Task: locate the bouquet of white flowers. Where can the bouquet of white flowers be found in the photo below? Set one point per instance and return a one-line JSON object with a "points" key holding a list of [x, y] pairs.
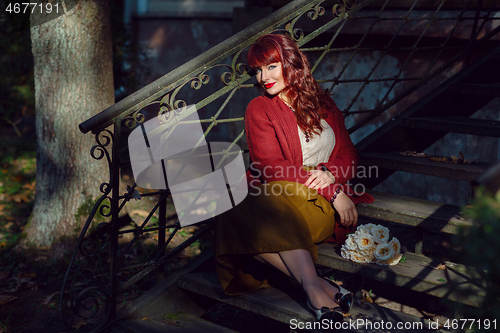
{"points": [[370, 243]]}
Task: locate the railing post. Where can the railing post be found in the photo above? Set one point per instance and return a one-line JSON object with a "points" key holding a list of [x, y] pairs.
{"points": [[161, 234], [473, 32], [115, 203]]}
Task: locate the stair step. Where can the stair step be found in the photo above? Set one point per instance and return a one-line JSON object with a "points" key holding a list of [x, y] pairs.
{"points": [[418, 273], [415, 212], [422, 165], [476, 89], [461, 125], [178, 322], [277, 305]]}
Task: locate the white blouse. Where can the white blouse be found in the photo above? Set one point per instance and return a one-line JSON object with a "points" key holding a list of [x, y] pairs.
{"points": [[319, 147]]}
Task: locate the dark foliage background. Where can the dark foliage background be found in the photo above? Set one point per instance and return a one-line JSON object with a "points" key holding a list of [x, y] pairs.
{"points": [[16, 66]]}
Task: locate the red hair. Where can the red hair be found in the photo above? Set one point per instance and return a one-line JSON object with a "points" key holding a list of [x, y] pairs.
{"points": [[307, 97]]}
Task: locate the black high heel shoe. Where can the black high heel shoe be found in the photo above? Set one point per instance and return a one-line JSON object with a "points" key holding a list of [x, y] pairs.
{"points": [[343, 298], [332, 314]]}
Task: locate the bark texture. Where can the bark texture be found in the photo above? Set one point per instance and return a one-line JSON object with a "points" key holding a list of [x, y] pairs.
{"points": [[73, 81]]}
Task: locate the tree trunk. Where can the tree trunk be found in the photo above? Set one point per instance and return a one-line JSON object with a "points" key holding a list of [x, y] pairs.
{"points": [[73, 81]]}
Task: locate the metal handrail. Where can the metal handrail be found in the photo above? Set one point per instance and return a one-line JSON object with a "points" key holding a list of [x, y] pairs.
{"points": [[197, 65]]}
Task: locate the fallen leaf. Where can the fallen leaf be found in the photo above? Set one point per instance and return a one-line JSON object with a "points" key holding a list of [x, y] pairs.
{"points": [[34, 286], [413, 154], [31, 186], [4, 299], [438, 159], [49, 298], [135, 194], [26, 275], [21, 197], [471, 162], [78, 325], [440, 266], [461, 155], [23, 281]]}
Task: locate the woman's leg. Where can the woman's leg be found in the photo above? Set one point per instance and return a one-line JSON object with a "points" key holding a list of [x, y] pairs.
{"points": [[298, 264], [275, 260]]}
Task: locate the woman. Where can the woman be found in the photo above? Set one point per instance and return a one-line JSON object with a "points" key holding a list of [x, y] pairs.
{"points": [[301, 156]]}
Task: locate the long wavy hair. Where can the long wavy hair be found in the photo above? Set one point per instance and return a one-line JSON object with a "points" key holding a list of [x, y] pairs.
{"points": [[306, 96]]}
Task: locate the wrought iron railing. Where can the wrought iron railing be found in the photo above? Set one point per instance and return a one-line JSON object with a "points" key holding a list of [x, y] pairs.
{"points": [[334, 34]]}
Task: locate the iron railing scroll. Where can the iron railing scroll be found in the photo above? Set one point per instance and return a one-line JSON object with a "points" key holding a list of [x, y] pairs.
{"points": [[100, 272]]}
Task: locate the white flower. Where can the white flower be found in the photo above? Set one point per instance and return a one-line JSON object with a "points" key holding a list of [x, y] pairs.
{"points": [[365, 242], [369, 254], [369, 226], [362, 229], [370, 244], [395, 259], [391, 261], [395, 245], [350, 243], [381, 262], [356, 257], [384, 251], [380, 233], [345, 253]]}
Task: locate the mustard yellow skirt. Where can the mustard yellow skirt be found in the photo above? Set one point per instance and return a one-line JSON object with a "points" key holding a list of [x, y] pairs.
{"points": [[277, 216]]}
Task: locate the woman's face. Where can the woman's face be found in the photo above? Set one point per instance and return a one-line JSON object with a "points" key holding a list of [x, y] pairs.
{"points": [[270, 77]]}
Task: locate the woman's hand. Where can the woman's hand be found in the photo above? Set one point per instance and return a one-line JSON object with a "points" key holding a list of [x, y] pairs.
{"points": [[346, 209], [319, 179]]}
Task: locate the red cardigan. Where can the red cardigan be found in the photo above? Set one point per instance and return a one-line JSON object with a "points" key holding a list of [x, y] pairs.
{"points": [[276, 153]]}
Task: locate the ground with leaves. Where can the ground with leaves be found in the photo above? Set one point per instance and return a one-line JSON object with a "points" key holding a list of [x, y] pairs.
{"points": [[29, 291], [29, 282]]}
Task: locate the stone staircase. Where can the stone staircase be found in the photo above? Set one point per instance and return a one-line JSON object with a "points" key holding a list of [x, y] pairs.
{"points": [[431, 271], [445, 110], [431, 276], [175, 303]]}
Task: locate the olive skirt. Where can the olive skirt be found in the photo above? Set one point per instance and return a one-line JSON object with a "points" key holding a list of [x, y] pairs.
{"points": [[277, 216]]}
